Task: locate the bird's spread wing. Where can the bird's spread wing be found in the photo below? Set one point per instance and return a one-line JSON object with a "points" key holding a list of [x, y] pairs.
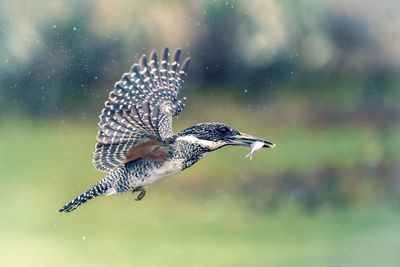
{"points": [[137, 117]]}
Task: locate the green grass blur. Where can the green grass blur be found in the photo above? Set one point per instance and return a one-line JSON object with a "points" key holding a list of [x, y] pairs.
{"points": [[221, 212]]}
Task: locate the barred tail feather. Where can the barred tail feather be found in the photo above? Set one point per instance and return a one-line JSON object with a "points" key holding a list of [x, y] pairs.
{"points": [[93, 192]]}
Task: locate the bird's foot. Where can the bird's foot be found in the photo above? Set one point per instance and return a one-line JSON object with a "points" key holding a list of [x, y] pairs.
{"points": [[141, 194]]}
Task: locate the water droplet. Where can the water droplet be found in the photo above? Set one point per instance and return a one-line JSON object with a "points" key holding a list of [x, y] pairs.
{"points": [[83, 237], [74, 28], [245, 91], [54, 26]]}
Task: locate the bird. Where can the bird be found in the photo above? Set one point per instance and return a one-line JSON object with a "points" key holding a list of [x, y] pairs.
{"points": [[136, 145]]}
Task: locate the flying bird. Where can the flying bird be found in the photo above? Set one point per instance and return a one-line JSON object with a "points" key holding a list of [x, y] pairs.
{"points": [[136, 145]]}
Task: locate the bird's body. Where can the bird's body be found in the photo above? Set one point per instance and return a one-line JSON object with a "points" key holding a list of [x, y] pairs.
{"points": [[136, 145], [141, 172]]}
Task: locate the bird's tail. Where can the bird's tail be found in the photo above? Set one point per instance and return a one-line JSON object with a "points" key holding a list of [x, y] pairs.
{"points": [[97, 190]]}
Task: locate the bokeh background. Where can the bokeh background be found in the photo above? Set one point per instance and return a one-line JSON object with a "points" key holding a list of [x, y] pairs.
{"points": [[319, 78]]}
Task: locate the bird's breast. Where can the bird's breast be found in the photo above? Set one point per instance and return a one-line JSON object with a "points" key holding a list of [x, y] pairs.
{"points": [[167, 168]]}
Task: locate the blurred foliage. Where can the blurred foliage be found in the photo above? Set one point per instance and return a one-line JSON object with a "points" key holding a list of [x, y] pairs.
{"points": [[61, 55], [221, 212]]}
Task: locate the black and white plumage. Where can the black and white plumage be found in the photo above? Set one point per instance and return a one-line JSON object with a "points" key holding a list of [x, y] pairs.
{"points": [[136, 145]]}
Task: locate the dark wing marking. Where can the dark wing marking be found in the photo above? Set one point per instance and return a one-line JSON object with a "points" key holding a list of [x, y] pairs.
{"points": [[137, 117]]}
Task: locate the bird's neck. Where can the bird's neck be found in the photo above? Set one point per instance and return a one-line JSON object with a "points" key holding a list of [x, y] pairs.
{"points": [[189, 151]]}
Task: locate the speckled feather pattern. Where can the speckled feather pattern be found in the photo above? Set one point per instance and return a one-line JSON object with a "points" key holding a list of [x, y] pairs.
{"points": [[140, 106], [137, 121], [143, 172], [140, 173]]}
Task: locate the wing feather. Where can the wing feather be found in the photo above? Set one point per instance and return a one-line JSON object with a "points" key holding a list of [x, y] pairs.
{"points": [[137, 117], [155, 69]]}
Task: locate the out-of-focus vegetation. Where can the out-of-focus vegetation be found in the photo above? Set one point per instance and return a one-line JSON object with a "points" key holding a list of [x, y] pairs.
{"points": [[63, 56], [319, 78], [301, 204]]}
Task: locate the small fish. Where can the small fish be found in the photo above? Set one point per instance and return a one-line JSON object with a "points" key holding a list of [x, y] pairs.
{"points": [[254, 147]]}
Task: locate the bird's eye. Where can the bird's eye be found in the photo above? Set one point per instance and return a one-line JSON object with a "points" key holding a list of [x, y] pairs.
{"points": [[223, 130]]}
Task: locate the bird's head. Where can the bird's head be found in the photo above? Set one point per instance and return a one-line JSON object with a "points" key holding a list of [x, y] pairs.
{"points": [[214, 135]]}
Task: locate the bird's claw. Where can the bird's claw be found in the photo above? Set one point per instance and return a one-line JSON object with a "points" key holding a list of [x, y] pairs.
{"points": [[141, 194]]}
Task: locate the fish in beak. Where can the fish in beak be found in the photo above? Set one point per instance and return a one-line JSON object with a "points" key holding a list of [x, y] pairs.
{"points": [[255, 143], [243, 139]]}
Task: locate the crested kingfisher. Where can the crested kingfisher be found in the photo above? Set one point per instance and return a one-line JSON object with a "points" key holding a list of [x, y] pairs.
{"points": [[136, 145]]}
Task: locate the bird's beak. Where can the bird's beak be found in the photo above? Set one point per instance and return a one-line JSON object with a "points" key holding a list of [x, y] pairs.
{"points": [[243, 139]]}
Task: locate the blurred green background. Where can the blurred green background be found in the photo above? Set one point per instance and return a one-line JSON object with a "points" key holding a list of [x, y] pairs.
{"points": [[319, 78]]}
